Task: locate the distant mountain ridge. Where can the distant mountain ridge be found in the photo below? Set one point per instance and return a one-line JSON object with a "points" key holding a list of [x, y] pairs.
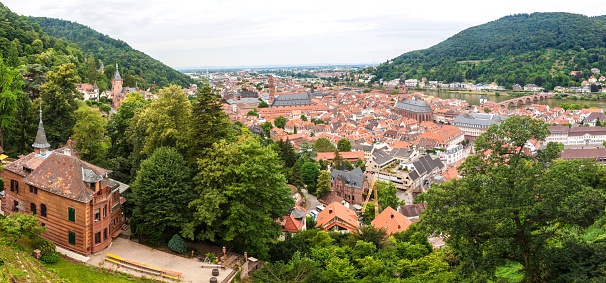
{"points": [[143, 68], [539, 48]]}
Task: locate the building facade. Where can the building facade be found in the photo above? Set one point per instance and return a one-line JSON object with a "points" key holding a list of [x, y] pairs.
{"points": [[77, 202], [414, 109], [474, 124]]}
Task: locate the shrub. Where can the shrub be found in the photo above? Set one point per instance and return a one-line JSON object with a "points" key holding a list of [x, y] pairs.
{"points": [[44, 246], [50, 258], [176, 244]]}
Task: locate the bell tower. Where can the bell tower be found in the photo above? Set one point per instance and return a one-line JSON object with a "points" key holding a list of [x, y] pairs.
{"points": [[116, 89], [271, 90]]}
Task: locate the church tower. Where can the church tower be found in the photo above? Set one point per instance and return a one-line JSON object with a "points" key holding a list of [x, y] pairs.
{"points": [[271, 90], [41, 145], [116, 89]]}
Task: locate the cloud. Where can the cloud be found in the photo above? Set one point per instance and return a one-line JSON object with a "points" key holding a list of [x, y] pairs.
{"points": [[232, 32]]}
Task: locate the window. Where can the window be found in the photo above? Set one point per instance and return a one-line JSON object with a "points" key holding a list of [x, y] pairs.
{"points": [[33, 190], [97, 214], [104, 234], [97, 237], [15, 186], [104, 211], [33, 208], [43, 210], [71, 237], [71, 214]]}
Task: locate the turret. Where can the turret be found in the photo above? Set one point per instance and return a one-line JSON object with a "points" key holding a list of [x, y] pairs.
{"points": [[41, 145]]}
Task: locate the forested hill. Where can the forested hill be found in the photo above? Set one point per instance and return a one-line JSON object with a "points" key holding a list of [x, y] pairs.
{"points": [[137, 65], [539, 48]]}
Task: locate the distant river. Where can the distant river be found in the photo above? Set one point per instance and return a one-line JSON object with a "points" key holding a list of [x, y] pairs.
{"points": [[474, 99]]}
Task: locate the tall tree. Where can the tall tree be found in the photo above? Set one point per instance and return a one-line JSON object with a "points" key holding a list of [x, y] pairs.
{"points": [[310, 172], [34, 75], [161, 194], [323, 183], [59, 103], [241, 193], [209, 123], [89, 135], [510, 205], [10, 88], [117, 128], [163, 122], [344, 145]]}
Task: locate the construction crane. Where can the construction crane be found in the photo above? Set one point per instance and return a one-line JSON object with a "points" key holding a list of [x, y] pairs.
{"points": [[373, 186]]}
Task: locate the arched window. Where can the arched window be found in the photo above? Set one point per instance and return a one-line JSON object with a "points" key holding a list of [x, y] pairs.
{"points": [[43, 210], [33, 208]]}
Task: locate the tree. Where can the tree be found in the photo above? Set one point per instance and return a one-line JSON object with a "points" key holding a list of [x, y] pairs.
{"points": [[18, 225], [209, 123], [121, 148], [294, 131], [59, 103], [510, 205], [280, 122], [262, 104], [19, 137], [89, 135], [161, 194], [323, 184], [361, 164], [598, 123], [163, 122], [310, 172], [386, 192], [338, 162], [10, 88], [240, 194], [303, 117], [594, 88], [344, 145], [267, 126], [324, 145]]}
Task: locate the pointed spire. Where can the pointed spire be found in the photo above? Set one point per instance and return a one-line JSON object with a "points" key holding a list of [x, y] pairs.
{"points": [[117, 76], [41, 143]]}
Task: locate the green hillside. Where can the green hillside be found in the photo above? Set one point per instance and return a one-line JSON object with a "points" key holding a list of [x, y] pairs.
{"points": [[137, 65], [540, 48]]}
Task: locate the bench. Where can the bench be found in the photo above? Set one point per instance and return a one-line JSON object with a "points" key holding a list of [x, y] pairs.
{"points": [[144, 267]]}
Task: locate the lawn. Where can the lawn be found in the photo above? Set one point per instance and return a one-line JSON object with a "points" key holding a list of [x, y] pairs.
{"points": [[79, 272]]}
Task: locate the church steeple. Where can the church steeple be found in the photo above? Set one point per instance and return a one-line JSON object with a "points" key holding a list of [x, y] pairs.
{"points": [[41, 145], [117, 76]]}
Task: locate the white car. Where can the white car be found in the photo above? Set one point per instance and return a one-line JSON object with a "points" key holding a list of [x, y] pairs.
{"points": [[320, 207]]}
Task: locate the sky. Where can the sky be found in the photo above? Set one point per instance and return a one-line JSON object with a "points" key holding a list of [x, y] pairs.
{"points": [[228, 33]]}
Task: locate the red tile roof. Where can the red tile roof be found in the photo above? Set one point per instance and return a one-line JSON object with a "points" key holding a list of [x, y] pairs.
{"points": [[392, 221]]}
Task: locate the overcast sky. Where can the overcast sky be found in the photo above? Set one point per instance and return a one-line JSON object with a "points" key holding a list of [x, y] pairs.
{"points": [[208, 33]]}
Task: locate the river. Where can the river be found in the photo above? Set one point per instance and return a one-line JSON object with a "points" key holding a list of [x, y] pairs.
{"points": [[474, 99]]}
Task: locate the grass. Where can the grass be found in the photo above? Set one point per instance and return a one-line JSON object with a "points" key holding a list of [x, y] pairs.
{"points": [[75, 273], [17, 265], [510, 273]]}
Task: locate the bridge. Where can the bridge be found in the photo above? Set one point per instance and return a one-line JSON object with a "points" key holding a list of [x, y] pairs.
{"points": [[525, 99]]}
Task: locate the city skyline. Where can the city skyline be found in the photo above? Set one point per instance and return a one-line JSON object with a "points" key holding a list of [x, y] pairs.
{"points": [[200, 34]]}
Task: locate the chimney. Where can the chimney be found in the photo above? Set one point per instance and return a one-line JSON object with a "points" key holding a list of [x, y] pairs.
{"points": [[330, 210]]}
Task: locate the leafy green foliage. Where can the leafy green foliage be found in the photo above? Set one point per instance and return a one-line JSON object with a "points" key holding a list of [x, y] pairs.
{"points": [[59, 104], [511, 206], [137, 66], [90, 135], [50, 258], [161, 193], [323, 183], [324, 145], [44, 245], [344, 145], [17, 225], [544, 48], [10, 87], [310, 172], [176, 244], [280, 122], [240, 194]]}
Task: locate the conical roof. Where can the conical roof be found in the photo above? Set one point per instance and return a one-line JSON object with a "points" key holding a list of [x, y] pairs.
{"points": [[41, 141], [117, 76]]}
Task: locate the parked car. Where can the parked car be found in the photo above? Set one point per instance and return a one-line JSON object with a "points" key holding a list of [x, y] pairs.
{"points": [[320, 207]]}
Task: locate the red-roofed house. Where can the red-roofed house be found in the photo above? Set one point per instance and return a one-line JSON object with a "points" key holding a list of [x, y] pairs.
{"points": [[337, 217], [392, 221]]}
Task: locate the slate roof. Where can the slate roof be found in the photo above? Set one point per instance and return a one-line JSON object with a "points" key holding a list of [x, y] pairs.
{"points": [[425, 164], [117, 76], [592, 153], [381, 157], [478, 119], [353, 178], [580, 131], [412, 210], [41, 141], [418, 106], [558, 129], [292, 99]]}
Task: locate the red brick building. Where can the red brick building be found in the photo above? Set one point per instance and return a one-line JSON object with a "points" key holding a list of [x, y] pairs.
{"points": [[76, 201]]}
